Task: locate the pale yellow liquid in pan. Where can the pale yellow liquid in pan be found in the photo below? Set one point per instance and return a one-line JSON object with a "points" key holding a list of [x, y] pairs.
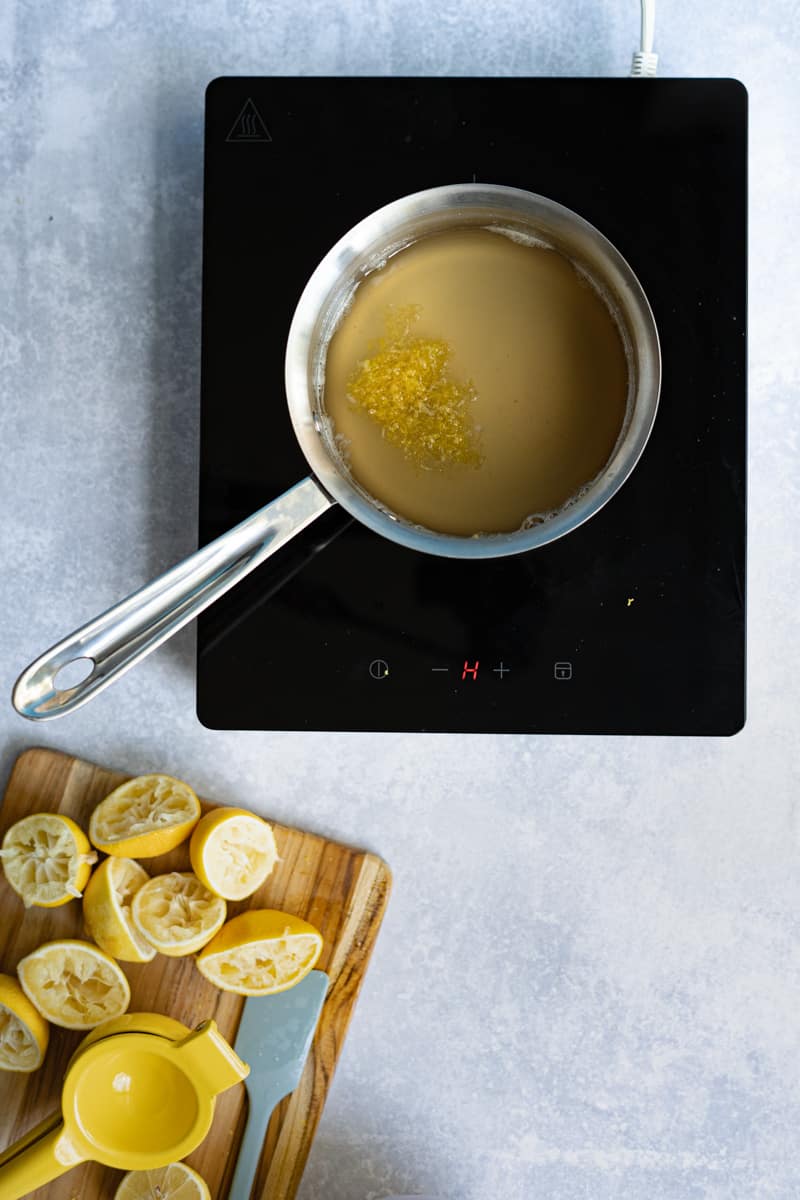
{"points": [[546, 361]]}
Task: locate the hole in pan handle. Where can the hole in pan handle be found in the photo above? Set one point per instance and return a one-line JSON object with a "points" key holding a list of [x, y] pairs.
{"points": [[123, 635]]}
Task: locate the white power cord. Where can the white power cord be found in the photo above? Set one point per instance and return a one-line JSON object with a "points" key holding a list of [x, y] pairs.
{"points": [[645, 62]]}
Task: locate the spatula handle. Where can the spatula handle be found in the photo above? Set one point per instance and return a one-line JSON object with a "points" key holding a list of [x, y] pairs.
{"points": [[255, 1130]]}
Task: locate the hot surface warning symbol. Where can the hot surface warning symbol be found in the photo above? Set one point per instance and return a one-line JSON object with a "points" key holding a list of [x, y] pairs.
{"points": [[249, 126]]}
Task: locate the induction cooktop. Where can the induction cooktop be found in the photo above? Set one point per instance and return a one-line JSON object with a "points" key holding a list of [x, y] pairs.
{"points": [[633, 623]]}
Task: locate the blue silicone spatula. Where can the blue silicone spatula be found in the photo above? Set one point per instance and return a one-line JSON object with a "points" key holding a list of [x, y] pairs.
{"points": [[275, 1035]]}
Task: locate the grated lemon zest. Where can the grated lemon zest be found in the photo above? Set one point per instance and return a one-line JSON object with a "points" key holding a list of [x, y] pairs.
{"points": [[405, 387]]}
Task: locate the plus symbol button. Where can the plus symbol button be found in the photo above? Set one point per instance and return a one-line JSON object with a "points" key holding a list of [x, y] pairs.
{"points": [[501, 670]]}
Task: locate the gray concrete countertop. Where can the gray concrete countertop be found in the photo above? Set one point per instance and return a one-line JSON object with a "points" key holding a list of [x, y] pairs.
{"points": [[588, 984]]}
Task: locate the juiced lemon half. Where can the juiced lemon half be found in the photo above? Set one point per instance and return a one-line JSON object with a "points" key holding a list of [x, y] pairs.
{"points": [[261, 952], [47, 859], [107, 909], [176, 913], [146, 816], [232, 852], [23, 1032], [74, 984], [175, 1182]]}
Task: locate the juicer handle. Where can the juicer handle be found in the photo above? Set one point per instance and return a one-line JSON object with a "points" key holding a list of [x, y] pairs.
{"points": [[209, 1060], [29, 1165], [33, 1135], [116, 640]]}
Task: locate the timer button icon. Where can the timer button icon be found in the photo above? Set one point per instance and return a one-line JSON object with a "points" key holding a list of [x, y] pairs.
{"points": [[379, 668]]}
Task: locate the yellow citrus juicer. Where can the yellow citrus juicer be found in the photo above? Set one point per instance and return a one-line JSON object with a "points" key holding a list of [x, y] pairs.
{"points": [[138, 1094]]}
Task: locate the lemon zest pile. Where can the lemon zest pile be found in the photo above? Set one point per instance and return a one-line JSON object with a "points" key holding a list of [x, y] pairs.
{"points": [[405, 387]]}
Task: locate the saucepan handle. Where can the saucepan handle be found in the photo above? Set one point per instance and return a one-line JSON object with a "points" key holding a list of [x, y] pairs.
{"points": [[123, 635]]}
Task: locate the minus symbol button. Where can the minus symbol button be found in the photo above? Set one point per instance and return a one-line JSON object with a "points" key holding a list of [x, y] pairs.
{"points": [[440, 668]]}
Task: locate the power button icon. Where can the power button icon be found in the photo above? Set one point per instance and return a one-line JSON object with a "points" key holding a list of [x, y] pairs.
{"points": [[379, 668]]}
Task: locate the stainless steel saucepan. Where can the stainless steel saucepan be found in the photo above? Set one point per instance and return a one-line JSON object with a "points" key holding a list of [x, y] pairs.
{"points": [[87, 661]]}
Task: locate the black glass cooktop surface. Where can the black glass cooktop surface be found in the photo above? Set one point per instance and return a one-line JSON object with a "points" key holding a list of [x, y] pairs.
{"points": [[635, 622]]}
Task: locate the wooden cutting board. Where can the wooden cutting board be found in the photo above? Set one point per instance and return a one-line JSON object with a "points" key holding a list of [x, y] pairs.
{"points": [[340, 890]]}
